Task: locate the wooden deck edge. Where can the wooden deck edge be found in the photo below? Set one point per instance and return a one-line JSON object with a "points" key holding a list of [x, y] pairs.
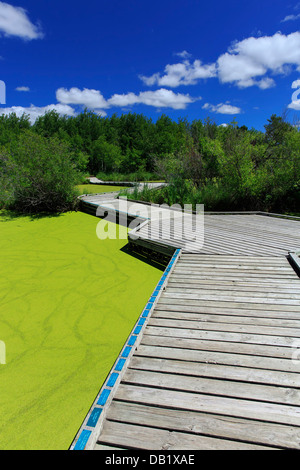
{"points": [[268, 214], [110, 214], [294, 259], [164, 249], [125, 219], [281, 216], [91, 427]]}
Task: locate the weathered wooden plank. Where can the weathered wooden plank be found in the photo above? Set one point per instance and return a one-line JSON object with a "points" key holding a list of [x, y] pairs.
{"points": [[219, 371], [208, 309], [249, 338], [213, 261], [208, 344], [242, 320], [250, 431], [214, 357], [270, 284], [240, 276], [225, 327], [224, 388], [148, 438], [262, 411], [231, 297], [286, 274], [228, 304], [234, 286], [253, 293], [233, 266], [226, 258], [234, 258]]}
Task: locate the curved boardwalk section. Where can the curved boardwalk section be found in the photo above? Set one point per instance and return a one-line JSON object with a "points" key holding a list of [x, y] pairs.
{"points": [[217, 365]]}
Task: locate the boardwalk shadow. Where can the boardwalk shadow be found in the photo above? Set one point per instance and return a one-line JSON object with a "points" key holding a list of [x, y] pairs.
{"points": [[151, 259]]}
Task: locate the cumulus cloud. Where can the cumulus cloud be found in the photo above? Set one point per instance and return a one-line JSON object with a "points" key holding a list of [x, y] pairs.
{"points": [[15, 22], [89, 98], [35, 111], [263, 83], [266, 83], [255, 57], [182, 73], [94, 100], [246, 63], [22, 88], [222, 108], [161, 98]]}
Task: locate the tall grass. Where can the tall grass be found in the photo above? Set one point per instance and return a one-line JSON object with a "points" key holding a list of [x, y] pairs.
{"points": [[216, 196]]}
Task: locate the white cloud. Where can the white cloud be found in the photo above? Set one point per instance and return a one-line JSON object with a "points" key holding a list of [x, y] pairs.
{"points": [[183, 54], [295, 105], [89, 98], [254, 57], [246, 63], [266, 83], [263, 83], [161, 98], [291, 18], [34, 111], [15, 22], [125, 99], [93, 99], [182, 73], [222, 108], [23, 88]]}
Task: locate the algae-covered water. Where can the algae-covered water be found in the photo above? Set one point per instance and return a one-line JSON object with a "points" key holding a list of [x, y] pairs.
{"points": [[97, 188], [68, 302]]}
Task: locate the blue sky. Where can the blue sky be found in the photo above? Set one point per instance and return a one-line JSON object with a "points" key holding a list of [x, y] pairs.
{"points": [[189, 59]]}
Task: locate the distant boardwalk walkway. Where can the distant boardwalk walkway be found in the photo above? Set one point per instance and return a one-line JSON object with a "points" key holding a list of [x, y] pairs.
{"points": [[233, 234], [216, 364]]}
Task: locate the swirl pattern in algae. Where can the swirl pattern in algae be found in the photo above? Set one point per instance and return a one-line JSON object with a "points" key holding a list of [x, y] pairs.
{"points": [[68, 302]]}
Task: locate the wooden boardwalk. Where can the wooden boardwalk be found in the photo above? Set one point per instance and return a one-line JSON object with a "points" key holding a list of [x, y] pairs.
{"points": [[217, 365], [213, 369], [230, 234]]}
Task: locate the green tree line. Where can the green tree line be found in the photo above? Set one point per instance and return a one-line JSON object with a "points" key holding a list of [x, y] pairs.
{"points": [[224, 167]]}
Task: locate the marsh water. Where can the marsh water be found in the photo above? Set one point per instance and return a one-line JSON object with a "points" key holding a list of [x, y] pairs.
{"points": [[68, 302]]}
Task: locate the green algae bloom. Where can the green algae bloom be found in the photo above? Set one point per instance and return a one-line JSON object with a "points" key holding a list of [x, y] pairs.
{"points": [[68, 303], [97, 188]]}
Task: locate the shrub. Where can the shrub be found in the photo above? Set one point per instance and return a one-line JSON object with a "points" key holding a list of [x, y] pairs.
{"points": [[37, 175]]}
